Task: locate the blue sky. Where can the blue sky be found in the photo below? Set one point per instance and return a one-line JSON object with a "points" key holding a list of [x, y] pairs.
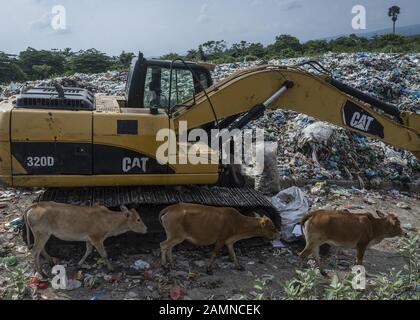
{"points": [[162, 26]]}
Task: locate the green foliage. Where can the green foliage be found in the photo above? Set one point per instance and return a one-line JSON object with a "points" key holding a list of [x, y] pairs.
{"points": [[260, 286], [316, 47], [171, 56], [33, 64], [32, 57], [125, 59], [409, 248], [287, 53], [393, 13], [341, 289], [90, 61], [41, 71], [211, 50], [286, 46], [389, 286], [303, 287], [19, 288], [10, 69]]}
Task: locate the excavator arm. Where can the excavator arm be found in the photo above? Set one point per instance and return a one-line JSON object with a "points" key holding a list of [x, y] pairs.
{"points": [[248, 93]]}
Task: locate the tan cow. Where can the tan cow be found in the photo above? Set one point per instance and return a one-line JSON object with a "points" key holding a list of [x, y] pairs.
{"points": [[75, 223], [204, 226], [347, 230]]}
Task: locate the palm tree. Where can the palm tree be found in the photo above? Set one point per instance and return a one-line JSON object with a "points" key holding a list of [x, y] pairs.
{"points": [[393, 12]]}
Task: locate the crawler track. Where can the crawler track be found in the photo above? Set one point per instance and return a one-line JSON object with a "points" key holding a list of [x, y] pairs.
{"points": [[241, 198]]}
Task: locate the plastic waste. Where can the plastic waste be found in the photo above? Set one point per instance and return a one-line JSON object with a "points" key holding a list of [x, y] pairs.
{"points": [[292, 204], [16, 223], [141, 265], [176, 293]]}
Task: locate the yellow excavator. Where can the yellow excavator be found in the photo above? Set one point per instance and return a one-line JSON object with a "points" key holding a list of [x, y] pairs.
{"points": [[103, 150]]}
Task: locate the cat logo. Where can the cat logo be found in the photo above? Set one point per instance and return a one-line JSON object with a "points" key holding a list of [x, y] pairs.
{"points": [[130, 164], [361, 121]]}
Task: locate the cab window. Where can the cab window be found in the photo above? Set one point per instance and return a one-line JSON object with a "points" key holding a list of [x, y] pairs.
{"points": [[156, 90]]}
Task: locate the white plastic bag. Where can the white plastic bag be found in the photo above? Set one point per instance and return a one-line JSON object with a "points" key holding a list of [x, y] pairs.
{"points": [[318, 132], [292, 205]]}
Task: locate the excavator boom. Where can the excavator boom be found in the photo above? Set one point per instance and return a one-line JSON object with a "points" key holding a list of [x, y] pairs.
{"points": [[318, 96]]}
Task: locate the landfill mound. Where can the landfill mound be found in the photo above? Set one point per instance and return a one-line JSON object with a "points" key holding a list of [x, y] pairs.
{"points": [[309, 149], [394, 78]]}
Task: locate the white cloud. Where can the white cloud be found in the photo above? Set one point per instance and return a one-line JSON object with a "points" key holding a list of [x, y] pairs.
{"points": [[289, 5], [256, 3], [43, 23]]}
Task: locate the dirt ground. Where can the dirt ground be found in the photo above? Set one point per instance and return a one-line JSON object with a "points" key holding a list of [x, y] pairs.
{"points": [[189, 280]]}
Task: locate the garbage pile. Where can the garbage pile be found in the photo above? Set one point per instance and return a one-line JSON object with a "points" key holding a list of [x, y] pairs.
{"points": [[309, 149], [394, 78], [109, 83]]}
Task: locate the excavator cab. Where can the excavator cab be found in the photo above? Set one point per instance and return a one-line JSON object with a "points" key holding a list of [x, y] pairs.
{"points": [[149, 82]]}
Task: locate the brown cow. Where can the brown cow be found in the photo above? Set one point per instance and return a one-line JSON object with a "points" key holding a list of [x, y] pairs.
{"points": [[347, 230], [204, 226], [76, 223]]}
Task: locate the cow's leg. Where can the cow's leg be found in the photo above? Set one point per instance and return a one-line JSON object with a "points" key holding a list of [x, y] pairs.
{"points": [[337, 258], [163, 250], [39, 244], [309, 248], [361, 249], [99, 246], [315, 254], [173, 244], [89, 248], [166, 249], [170, 256], [234, 257], [47, 257], [219, 245]]}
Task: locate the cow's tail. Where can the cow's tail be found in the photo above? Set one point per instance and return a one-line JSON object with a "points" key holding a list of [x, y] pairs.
{"points": [[28, 226], [304, 220], [162, 213]]}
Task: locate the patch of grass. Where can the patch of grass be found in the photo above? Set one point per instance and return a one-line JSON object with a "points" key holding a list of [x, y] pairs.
{"points": [[18, 289], [394, 285]]}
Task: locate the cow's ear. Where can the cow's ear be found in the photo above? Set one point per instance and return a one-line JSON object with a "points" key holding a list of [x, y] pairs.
{"points": [[380, 214], [257, 215]]}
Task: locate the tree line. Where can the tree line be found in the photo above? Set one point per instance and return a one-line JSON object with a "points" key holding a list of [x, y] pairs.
{"points": [[286, 46], [33, 64]]}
